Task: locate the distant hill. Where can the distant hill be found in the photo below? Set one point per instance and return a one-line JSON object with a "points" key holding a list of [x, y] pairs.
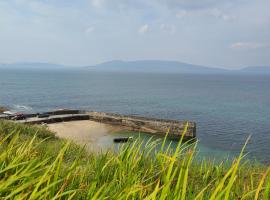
{"points": [[257, 69], [155, 66], [150, 66]]}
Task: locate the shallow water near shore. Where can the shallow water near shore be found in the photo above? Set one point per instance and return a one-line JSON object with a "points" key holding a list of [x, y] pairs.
{"points": [[99, 137], [202, 152], [227, 108]]}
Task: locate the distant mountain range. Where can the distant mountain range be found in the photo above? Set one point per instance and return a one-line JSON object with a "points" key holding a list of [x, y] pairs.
{"points": [[257, 69], [155, 66], [170, 67], [149, 66]]}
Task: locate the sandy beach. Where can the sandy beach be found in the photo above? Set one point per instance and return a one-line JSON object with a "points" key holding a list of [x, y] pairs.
{"points": [[94, 135]]}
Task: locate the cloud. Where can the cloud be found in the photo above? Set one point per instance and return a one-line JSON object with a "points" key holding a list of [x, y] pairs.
{"points": [[90, 29], [248, 45], [219, 14], [47, 29], [194, 4], [169, 4], [181, 14], [168, 28], [97, 3], [228, 18], [143, 29]]}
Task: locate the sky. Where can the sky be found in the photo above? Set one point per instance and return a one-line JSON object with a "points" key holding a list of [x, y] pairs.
{"points": [[219, 33]]}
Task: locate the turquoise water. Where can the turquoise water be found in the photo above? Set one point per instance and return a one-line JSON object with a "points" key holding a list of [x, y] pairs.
{"points": [[227, 108], [202, 151]]}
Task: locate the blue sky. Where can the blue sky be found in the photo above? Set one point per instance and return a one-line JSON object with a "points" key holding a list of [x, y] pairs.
{"points": [[220, 33]]}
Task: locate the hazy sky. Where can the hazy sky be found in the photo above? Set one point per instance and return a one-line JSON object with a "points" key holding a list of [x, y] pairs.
{"points": [[221, 33]]}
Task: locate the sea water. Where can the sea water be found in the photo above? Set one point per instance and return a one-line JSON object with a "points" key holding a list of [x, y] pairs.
{"points": [[227, 108]]}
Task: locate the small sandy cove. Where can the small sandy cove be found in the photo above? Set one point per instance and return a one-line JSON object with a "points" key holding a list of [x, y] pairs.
{"points": [[86, 132]]}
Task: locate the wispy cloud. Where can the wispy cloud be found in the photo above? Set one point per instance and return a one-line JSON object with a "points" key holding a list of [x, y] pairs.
{"points": [[217, 13], [97, 3], [90, 29], [196, 4], [187, 30], [143, 29], [167, 28], [248, 45], [180, 14]]}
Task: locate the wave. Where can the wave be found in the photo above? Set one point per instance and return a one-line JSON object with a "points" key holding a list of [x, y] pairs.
{"points": [[21, 108]]}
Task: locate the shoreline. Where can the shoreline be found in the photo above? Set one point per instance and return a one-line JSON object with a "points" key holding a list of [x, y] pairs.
{"points": [[85, 133], [174, 128], [96, 131]]}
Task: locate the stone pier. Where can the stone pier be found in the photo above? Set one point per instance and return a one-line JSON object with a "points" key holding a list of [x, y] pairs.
{"points": [[133, 123], [147, 125]]}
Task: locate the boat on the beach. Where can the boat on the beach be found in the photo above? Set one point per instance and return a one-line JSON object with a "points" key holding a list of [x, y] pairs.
{"points": [[9, 113], [18, 116], [43, 115], [122, 139]]}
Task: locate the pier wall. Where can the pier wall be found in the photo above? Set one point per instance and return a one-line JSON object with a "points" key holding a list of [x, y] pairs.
{"points": [[135, 123], [56, 119], [148, 125]]}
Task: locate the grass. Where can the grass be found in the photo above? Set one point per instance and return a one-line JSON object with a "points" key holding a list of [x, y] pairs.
{"points": [[34, 164]]}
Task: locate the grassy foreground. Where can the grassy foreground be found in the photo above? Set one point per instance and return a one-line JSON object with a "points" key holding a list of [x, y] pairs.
{"points": [[34, 164]]}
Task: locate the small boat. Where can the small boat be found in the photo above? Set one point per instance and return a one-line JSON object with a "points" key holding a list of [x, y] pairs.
{"points": [[18, 116], [123, 139], [9, 113], [43, 115]]}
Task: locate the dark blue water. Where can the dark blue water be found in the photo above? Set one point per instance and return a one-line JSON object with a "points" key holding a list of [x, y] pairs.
{"points": [[227, 108]]}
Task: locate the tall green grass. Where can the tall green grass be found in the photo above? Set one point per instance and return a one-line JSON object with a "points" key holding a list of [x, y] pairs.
{"points": [[34, 164]]}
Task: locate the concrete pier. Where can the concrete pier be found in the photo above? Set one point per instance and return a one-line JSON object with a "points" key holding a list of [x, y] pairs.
{"points": [[147, 125], [134, 123]]}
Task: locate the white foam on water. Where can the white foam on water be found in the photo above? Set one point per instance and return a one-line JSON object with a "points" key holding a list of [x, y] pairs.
{"points": [[21, 108]]}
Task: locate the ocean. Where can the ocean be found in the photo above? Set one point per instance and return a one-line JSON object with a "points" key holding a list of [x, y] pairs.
{"points": [[227, 108]]}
